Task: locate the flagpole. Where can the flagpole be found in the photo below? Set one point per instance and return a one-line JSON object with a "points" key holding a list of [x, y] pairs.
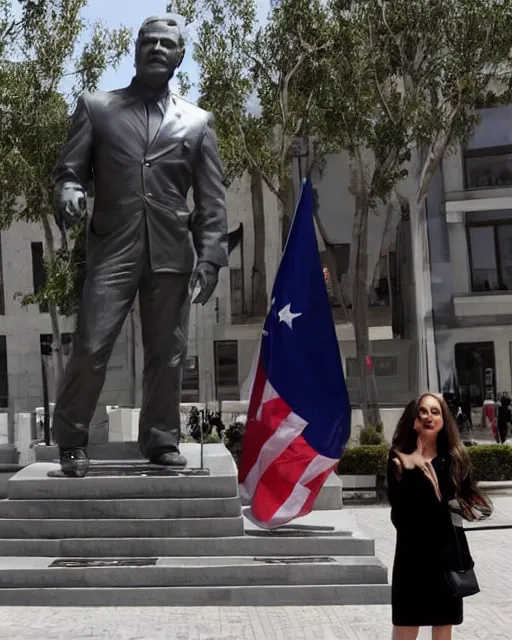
{"points": [[199, 318]]}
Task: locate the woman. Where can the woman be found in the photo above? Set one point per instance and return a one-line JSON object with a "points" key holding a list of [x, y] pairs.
{"points": [[428, 478]]}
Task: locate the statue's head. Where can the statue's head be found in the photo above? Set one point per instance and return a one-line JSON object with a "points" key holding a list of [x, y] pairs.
{"points": [[159, 49]]}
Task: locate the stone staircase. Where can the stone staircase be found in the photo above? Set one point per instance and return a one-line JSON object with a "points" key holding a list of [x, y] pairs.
{"points": [[132, 534]]}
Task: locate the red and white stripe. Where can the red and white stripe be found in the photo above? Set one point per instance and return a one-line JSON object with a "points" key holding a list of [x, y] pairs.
{"points": [[279, 471]]}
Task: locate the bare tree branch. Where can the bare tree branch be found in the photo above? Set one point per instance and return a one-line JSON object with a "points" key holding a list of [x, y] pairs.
{"points": [[256, 165], [299, 129], [383, 102]]}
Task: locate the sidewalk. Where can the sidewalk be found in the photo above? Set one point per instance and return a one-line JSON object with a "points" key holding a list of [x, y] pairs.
{"points": [[488, 616]]}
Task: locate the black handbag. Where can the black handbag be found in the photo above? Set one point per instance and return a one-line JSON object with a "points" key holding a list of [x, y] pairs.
{"points": [[463, 583]]}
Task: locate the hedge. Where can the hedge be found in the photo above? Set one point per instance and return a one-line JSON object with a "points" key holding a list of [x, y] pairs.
{"points": [[490, 462], [364, 460]]}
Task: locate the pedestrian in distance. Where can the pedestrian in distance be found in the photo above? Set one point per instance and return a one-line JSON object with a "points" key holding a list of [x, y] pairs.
{"points": [[504, 417]]}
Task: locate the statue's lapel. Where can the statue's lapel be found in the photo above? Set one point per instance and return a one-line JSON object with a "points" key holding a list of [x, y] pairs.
{"points": [[170, 132]]}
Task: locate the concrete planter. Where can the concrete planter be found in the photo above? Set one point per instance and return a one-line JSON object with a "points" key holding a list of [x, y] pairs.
{"points": [[497, 487], [359, 486]]}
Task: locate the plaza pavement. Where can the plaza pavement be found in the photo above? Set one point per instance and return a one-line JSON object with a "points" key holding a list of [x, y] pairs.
{"points": [[488, 616]]}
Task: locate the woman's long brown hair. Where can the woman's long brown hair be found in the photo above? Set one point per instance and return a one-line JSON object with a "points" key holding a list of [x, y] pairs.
{"points": [[449, 444]]}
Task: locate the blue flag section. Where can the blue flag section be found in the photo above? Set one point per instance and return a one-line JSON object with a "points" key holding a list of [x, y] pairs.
{"points": [[299, 351]]}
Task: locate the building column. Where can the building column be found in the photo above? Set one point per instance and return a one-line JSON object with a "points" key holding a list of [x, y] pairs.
{"points": [[459, 254]]}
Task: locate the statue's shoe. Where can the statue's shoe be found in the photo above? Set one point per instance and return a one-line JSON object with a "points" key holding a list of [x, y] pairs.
{"points": [[169, 459], [74, 463]]}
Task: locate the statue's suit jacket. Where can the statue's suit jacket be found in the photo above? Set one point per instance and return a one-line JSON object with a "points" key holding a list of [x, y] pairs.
{"points": [[137, 179]]}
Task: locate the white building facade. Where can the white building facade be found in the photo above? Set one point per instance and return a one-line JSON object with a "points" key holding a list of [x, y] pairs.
{"points": [[470, 229]]}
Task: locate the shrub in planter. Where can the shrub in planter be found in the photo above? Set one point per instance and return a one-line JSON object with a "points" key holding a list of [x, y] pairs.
{"points": [[209, 422], [372, 435], [233, 437], [491, 462], [364, 460]]}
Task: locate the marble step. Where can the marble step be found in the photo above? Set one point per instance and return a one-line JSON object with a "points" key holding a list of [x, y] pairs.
{"points": [[121, 528], [40, 572], [248, 545], [122, 451], [330, 496], [101, 451], [141, 508], [276, 595], [33, 483]]}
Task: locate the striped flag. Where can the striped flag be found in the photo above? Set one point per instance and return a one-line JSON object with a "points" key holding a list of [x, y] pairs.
{"points": [[299, 414]]}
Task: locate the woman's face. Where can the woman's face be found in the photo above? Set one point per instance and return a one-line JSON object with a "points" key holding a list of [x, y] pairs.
{"points": [[430, 417]]}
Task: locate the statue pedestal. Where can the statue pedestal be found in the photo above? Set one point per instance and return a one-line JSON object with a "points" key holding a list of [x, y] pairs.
{"points": [[131, 533]]}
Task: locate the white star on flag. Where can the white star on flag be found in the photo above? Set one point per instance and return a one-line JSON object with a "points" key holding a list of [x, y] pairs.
{"points": [[286, 315]]}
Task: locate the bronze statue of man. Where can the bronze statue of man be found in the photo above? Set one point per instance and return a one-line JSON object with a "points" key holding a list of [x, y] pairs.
{"points": [[144, 149]]}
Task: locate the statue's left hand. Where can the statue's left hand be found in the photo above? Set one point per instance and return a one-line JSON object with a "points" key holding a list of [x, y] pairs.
{"points": [[206, 276]]}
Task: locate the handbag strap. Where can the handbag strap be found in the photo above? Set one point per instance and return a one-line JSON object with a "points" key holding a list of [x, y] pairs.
{"points": [[455, 536]]}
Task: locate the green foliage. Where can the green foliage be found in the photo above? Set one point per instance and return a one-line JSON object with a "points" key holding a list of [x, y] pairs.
{"points": [[258, 80], [235, 433], [213, 438], [42, 70], [389, 82], [372, 435], [64, 276], [233, 439], [365, 460], [491, 462], [384, 77], [410, 75], [207, 423]]}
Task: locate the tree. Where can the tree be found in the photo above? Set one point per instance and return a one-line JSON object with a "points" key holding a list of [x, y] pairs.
{"points": [[258, 79], [346, 115], [286, 67], [42, 71], [394, 83], [400, 91], [436, 61]]}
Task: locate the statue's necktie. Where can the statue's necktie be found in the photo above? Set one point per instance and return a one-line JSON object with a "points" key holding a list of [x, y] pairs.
{"points": [[154, 117]]}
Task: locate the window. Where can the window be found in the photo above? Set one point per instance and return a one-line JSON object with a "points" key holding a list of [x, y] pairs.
{"points": [[475, 366], [383, 366], [236, 291], [49, 375], [488, 168], [4, 383], [341, 256], [190, 384], [490, 252], [226, 369], [46, 340], [38, 271]]}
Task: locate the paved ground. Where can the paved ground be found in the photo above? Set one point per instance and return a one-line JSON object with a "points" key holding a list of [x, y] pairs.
{"points": [[488, 616]]}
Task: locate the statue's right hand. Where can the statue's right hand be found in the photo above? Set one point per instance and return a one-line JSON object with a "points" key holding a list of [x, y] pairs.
{"points": [[71, 206]]}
